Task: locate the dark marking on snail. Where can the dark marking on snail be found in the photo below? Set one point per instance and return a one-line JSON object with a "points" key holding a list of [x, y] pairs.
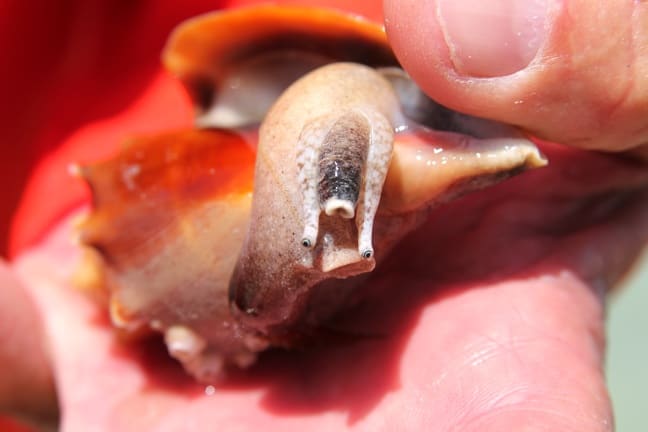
{"points": [[341, 165]]}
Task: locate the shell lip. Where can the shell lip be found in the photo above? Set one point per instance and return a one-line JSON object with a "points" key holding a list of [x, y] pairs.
{"points": [[206, 52], [430, 167]]}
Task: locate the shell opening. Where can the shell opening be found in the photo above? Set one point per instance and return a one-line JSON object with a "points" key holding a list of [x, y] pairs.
{"points": [[419, 111], [265, 76]]}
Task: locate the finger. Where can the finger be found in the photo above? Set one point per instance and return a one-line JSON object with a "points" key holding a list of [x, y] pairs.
{"points": [[573, 72], [26, 385]]}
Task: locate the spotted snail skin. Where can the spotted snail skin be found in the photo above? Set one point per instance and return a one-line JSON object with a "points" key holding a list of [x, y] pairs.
{"points": [[343, 156], [228, 244]]}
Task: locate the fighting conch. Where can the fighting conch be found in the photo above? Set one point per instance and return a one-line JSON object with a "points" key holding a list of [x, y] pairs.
{"points": [[312, 155]]}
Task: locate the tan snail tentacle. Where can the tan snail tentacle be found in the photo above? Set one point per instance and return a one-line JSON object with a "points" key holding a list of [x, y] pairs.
{"points": [[378, 159]]}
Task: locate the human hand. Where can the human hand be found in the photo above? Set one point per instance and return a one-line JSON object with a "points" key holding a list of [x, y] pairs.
{"points": [[490, 319], [569, 72]]}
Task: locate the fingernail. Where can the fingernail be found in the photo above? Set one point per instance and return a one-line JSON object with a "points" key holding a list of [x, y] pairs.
{"points": [[492, 38]]}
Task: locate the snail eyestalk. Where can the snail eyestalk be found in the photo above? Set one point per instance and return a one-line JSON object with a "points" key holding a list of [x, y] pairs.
{"points": [[342, 165]]}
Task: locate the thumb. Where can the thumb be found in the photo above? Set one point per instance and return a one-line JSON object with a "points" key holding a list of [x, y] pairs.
{"points": [[574, 72]]}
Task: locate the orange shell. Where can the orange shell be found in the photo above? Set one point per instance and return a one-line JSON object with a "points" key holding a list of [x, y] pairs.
{"points": [[157, 205], [162, 176], [201, 50]]}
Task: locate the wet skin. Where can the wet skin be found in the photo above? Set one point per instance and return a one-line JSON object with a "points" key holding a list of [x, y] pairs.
{"points": [[488, 318]]}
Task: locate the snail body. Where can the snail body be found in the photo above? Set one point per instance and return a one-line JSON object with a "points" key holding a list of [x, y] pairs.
{"points": [[324, 151]]}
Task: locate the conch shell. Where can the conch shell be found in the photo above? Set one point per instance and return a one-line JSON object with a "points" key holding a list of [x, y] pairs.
{"points": [[217, 240]]}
